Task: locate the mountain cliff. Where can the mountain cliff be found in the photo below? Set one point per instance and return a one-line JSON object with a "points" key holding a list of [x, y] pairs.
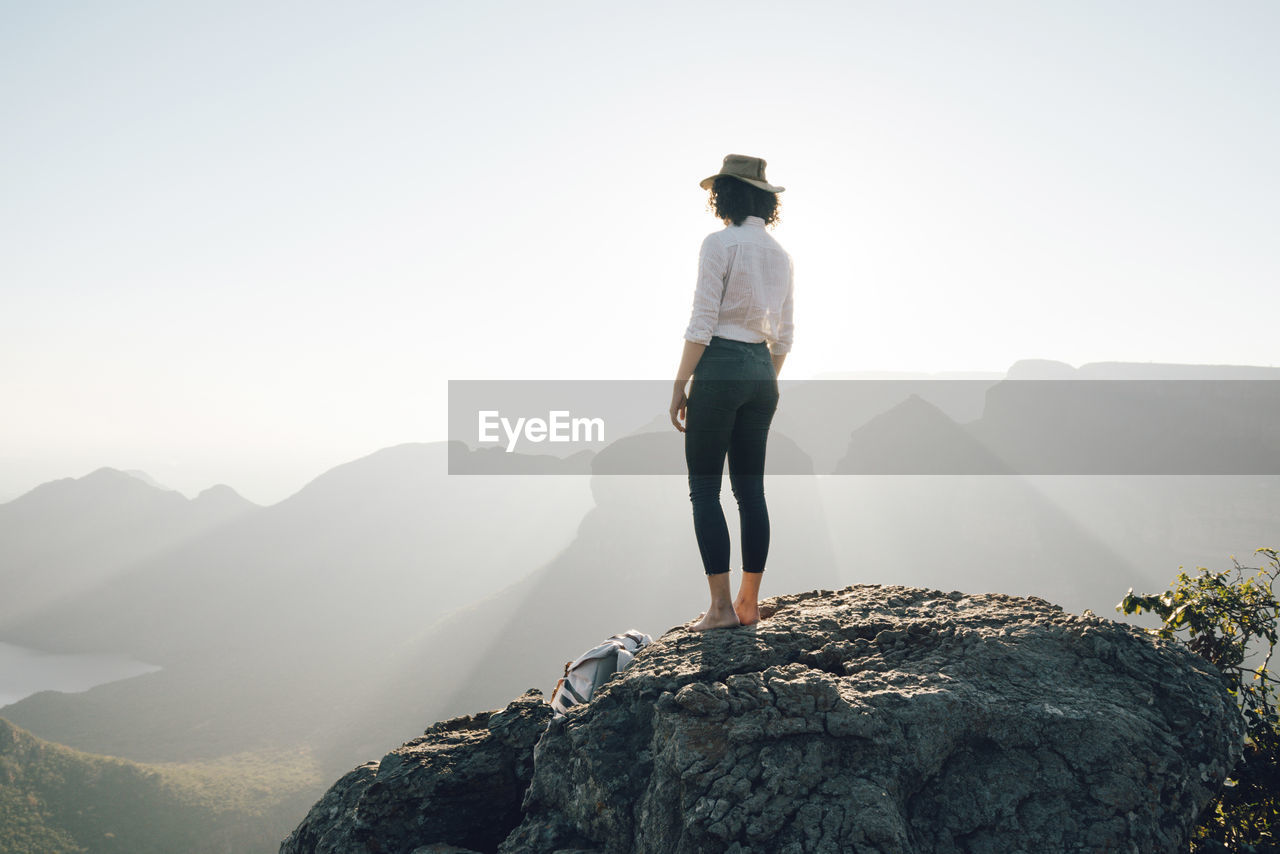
{"points": [[870, 719]]}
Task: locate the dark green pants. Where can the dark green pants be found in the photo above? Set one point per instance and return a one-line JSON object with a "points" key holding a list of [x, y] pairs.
{"points": [[731, 404]]}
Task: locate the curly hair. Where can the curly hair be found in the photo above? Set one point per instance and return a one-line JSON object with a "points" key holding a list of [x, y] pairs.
{"points": [[733, 201]]}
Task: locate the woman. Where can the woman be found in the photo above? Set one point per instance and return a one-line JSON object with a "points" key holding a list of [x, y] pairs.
{"points": [[736, 341]]}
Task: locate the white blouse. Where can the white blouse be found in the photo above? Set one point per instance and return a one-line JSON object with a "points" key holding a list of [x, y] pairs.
{"points": [[745, 283]]}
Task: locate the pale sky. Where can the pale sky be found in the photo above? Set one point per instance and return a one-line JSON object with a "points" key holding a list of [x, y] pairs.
{"points": [[244, 242]]}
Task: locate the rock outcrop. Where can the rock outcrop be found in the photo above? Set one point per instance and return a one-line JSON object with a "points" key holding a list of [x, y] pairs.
{"points": [[460, 783], [872, 719]]}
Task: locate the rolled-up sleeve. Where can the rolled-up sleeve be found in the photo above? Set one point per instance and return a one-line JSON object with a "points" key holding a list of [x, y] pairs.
{"points": [[713, 261], [786, 327]]}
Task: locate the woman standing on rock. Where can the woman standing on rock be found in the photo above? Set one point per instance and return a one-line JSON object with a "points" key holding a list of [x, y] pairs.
{"points": [[736, 341]]}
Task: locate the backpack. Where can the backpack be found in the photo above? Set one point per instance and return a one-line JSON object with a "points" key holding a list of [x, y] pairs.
{"points": [[586, 673]]}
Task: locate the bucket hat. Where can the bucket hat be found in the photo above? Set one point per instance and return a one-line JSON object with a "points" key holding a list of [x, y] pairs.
{"points": [[744, 168]]}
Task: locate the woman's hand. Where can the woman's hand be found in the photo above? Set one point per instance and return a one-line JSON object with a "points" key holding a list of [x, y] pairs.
{"points": [[689, 358], [679, 406]]}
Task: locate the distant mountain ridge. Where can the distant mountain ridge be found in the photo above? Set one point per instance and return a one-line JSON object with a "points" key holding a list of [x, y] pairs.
{"points": [[1048, 369], [1071, 426], [67, 535], [256, 622]]}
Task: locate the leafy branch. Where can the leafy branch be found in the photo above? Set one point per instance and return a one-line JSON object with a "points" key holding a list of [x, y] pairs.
{"points": [[1230, 619]]}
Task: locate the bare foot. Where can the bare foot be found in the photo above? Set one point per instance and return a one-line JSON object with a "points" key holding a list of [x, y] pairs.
{"points": [[719, 618], [748, 612]]}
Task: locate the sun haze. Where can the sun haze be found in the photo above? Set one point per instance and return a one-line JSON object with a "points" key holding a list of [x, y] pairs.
{"points": [[245, 243]]}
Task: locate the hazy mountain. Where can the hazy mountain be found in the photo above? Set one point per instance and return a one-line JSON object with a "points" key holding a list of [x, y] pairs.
{"points": [[394, 520], [1082, 536], [1050, 537], [1040, 369], [388, 593], [1135, 426], [1077, 541], [820, 415], [916, 437], [633, 564], [1168, 371], [282, 645], [1122, 421], [66, 536], [147, 479], [497, 461], [263, 625]]}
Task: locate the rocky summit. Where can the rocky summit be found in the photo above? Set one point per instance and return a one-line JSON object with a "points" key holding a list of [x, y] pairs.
{"points": [[870, 719]]}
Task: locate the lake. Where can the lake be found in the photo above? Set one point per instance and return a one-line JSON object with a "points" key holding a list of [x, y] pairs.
{"points": [[24, 671]]}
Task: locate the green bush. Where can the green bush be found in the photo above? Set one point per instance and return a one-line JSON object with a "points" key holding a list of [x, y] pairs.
{"points": [[1230, 618]]}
